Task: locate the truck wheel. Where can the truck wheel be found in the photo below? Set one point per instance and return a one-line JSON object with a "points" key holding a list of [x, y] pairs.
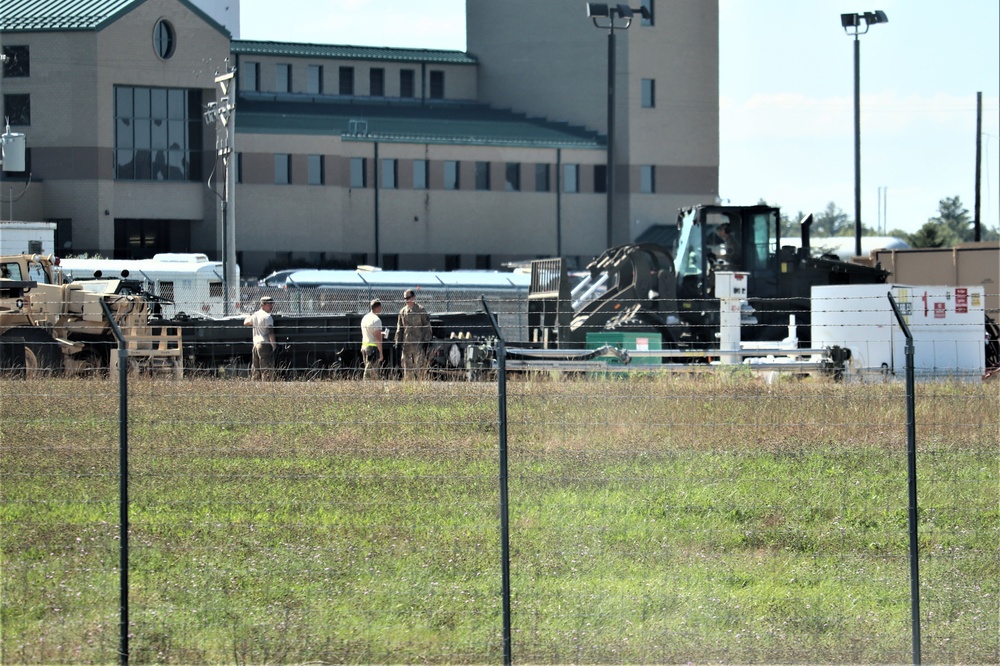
{"points": [[91, 364], [42, 357]]}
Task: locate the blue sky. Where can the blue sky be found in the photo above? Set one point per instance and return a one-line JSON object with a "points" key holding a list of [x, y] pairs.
{"points": [[786, 94]]}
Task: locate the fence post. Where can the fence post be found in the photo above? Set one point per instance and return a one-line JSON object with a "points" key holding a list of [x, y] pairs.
{"points": [[911, 474], [123, 649], [504, 506]]}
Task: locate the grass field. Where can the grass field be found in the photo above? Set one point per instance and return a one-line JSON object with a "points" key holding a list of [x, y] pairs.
{"points": [[652, 520]]}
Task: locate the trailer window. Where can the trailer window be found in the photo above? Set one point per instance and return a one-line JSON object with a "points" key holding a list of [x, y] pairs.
{"points": [[166, 290], [215, 289]]}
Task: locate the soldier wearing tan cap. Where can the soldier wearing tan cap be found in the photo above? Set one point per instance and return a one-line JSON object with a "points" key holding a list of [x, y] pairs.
{"points": [[264, 342]]}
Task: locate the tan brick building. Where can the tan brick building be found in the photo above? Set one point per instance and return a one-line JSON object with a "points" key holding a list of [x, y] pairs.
{"points": [[406, 158]]}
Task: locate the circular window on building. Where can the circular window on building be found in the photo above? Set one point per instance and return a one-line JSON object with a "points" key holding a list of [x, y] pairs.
{"points": [[163, 39]]}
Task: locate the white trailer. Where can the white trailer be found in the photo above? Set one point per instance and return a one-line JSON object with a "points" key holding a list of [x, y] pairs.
{"points": [[948, 325], [27, 238], [346, 291], [188, 283]]}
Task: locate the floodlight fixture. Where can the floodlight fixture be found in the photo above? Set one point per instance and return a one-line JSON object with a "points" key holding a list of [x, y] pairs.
{"points": [[852, 24], [597, 10]]}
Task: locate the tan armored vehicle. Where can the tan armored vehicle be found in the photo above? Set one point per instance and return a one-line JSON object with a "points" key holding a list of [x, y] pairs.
{"points": [[49, 326]]}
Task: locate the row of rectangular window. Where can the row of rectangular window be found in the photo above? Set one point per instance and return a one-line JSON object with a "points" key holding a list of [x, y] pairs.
{"points": [[316, 175], [316, 84]]}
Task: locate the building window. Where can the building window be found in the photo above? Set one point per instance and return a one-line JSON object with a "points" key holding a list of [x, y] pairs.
{"points": [[451, 175], [420, 174], [406, 87], [482, 175], [163, 39], [600, 178], [376, 82], [346, 81], [452, 262], [359, 172], [239, 167], [647, 179], [282, 169], [142, 238], [512, 177], [316, 175], [390, 171], [648, 4], [16, 63], [158, 133], [282, 78], [571, 178], [17, 109], [542, 178], [390, 262], [314, 82], [648, 93], [251, 76], [482, 262], [437, 84]]}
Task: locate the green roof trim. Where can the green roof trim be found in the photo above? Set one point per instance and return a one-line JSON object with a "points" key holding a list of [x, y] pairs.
{"points": [[385, 54], [75, 15], [407, 121]]}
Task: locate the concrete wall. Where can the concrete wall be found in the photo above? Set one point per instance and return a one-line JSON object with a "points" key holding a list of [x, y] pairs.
{"points": [[548, 58], [420, 226]]}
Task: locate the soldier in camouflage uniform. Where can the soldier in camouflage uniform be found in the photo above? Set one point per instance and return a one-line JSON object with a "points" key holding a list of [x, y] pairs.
{"points": [[413, 331]]}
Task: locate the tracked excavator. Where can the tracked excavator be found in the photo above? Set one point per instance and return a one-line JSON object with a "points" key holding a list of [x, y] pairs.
{"points": [[671, 291]]}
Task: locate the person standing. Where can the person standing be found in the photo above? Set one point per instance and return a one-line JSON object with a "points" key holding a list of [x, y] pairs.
{"points": [[731, 243], [264, 342], [371, 339], [413, 331]]}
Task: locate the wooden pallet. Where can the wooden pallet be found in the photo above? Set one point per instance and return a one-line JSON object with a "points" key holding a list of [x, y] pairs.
{"points": [[161, 353]]}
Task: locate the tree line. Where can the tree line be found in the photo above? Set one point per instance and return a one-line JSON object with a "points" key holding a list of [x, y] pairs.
{"points": [[951, 226]]}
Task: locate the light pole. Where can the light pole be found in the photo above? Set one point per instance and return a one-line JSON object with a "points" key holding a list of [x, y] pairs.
{"points": [[595, 11], [853, 24]]}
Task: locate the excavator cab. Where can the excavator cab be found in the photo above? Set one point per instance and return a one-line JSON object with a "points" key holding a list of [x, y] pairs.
{"points": [[717, 238]]}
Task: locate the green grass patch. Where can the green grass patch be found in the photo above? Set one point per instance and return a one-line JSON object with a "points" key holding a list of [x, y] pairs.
{"points": [[655, 520]]}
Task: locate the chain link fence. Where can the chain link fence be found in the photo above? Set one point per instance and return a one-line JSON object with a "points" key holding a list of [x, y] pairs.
{"points": [[652, 519], [510, 305]]}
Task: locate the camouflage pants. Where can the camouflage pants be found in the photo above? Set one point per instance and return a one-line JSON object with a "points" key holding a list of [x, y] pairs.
{"points": [[370, 355], [413, 360]]}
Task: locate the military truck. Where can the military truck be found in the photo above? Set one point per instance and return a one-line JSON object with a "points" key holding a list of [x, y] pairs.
{"points": [[49, 326]]}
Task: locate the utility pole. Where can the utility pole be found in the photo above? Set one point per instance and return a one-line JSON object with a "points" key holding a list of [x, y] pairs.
{"points": [[222, 113], [977, 223]]}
